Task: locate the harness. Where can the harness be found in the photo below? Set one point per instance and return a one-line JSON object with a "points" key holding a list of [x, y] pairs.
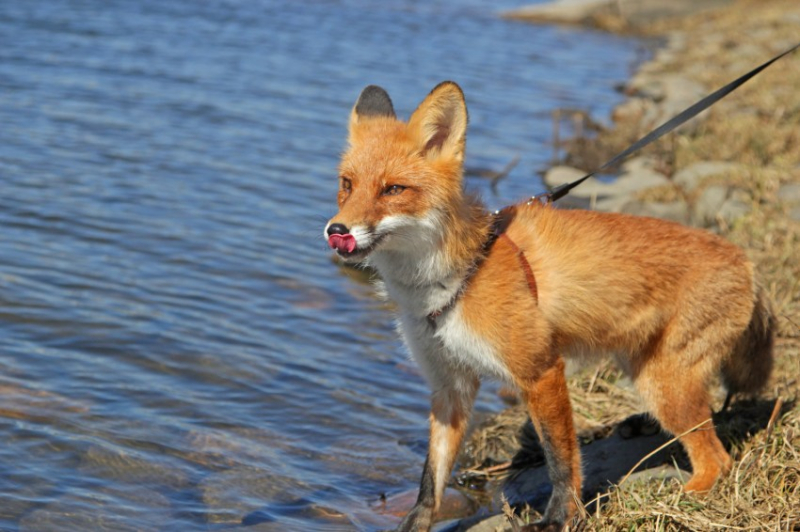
{"points": [[500, 221]]}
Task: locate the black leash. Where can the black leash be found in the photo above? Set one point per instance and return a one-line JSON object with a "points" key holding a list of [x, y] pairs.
{"points": [[562, 190]]}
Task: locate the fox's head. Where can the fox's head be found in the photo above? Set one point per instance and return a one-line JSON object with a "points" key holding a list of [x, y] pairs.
{"points": [[398, 181]]}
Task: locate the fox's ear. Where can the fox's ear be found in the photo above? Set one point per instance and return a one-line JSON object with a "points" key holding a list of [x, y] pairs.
{"points": [[373, 102], [440, 122]]}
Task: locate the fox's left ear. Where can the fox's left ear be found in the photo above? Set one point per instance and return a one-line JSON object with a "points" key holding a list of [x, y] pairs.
{"points": [[440, 122], [373, 102]]}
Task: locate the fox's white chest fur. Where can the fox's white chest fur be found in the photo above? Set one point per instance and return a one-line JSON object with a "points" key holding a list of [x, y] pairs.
{"points": [[448, 347]]}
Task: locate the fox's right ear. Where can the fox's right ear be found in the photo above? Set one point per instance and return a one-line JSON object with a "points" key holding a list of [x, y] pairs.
{"points": [[439, 124], [373, 102]]}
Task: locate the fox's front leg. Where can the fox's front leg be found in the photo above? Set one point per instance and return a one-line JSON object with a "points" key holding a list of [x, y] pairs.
{"points": [[451, 406], [548, 402]]}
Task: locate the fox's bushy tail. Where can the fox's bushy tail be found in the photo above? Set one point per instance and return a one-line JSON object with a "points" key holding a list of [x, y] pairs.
{"points": [[749, 365]]}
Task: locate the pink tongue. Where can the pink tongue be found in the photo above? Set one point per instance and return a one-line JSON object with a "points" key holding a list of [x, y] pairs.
{"points": [[346, 243]]}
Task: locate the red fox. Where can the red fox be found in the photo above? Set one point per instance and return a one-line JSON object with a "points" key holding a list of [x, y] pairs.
{"points": [[510, 294]]}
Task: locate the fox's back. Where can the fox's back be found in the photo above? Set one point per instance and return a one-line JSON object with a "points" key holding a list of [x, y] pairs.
{"points": [[615, 279]]}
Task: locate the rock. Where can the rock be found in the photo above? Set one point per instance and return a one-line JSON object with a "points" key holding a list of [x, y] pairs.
{"points": [[564, 11], [625, 184], [789, 193], [639, 164], [794, 214], [115, 464], [455, 505], [371, 459], [676, 211], [631, 110], [613, 204], [708, 205], [663, 472], [646, 85], [558, 175], [298, 516], [231, 495], [693, 175], [236, 446], [492, 523], [733, 209], [641, 179], [641, 13], [672, 92]]}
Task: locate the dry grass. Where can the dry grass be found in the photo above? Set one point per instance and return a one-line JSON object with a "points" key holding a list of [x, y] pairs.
{"points": [[759, 128]]}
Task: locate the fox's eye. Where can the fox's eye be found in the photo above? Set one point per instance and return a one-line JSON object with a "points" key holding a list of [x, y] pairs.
{"points": [[393, 190], [346, 184]]}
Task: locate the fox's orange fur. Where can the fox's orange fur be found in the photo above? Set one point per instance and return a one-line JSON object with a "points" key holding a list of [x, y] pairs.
{"points": [[674, 305]]}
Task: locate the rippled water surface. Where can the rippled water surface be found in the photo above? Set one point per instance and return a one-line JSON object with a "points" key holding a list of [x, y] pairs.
{"points": [[177, 350]]}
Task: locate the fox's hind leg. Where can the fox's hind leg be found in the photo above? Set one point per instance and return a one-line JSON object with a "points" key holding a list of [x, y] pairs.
{"points": [[548, 402], [675, 387]]}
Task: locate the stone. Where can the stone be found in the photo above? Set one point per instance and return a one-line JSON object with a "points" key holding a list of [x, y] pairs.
{"points": [[693, 175], [558, 175], [563, 11], [663, 472], [492, 523], [231, 495], [708, 205], [298, 517], [625, 184], [642, 163], [789, 193], [116, 464], [613, 203], [454, 505], [733, 209], [631, 110], [676, 211]]}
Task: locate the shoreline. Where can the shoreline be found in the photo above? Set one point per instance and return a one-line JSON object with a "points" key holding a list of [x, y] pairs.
{"points": [[734, 170]]}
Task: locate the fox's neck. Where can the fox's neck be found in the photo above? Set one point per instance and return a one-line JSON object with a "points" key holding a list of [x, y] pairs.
{"points": [[427, 274]]}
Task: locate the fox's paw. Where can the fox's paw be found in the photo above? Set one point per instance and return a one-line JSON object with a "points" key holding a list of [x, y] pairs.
{"points": [[419, 519], [700, 485], [550, 526]]}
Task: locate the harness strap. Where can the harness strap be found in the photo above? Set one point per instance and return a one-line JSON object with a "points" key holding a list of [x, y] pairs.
{"points": [[526, 267], [500, 222]]}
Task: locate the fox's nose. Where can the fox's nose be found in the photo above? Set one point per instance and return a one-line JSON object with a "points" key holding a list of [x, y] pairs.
{"points": [[337, 229]]}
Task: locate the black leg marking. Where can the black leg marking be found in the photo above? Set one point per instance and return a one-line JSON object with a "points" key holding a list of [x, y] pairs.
{"points": [[420, 518]]}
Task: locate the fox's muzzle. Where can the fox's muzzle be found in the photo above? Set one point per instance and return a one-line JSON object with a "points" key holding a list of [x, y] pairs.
{"points": [[342, 243], [340, 239]]}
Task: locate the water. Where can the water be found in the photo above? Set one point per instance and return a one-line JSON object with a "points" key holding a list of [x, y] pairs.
{"points": [[177, 350]]}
